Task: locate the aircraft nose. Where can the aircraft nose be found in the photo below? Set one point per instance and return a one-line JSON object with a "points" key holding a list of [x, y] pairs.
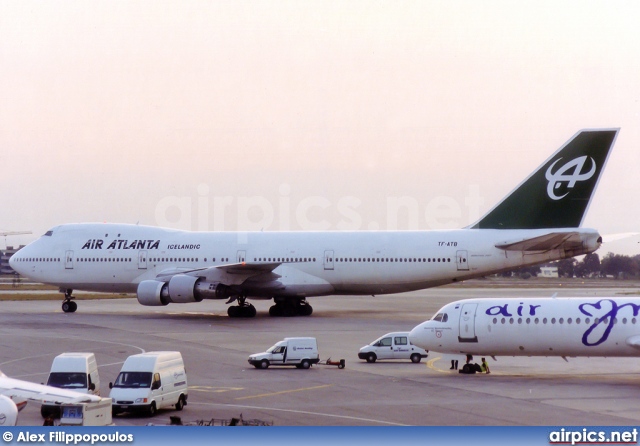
{"points": [[15, 263], [417, 335]]}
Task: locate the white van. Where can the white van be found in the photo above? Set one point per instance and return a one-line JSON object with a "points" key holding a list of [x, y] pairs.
{"points": [[148, 382], [392, 346], [301, 352], [72, 371]]}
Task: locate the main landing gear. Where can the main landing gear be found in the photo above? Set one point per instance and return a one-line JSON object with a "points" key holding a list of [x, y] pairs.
{"points": [[290, 307], [243, 309], [68, 306], [282, 308]]}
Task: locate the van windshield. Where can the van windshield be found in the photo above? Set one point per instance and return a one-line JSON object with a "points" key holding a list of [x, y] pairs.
{"points": [[66, 380], [133, 380]]}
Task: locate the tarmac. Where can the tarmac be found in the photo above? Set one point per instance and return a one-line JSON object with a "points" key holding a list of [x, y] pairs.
{"points": [[222, 385]]}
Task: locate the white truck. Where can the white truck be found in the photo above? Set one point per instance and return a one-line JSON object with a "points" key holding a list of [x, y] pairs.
{"points": [[300, 352], [150, 381], [73, 371], [392, 346]]}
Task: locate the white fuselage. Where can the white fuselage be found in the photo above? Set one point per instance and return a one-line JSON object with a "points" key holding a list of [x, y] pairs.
{"points": [[534, 327], [117, 257]]}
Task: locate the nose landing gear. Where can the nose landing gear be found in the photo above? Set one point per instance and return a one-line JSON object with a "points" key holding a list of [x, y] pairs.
{"points": [[68, 306]]}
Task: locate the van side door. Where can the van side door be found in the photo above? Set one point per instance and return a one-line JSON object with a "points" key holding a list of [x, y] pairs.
{"points": [[157, 392], [384, 348], [401, 347], [279, 355]]}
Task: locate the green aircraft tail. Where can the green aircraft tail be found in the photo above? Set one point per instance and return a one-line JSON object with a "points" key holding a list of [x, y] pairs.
{"points": [[558, 193]]}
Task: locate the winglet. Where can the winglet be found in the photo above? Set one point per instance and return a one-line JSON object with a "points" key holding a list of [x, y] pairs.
{"points": [[558, 193]]}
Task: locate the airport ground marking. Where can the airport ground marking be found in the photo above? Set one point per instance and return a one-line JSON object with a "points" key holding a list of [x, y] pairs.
{"points": [[210, 389], [284, 391], [431, 365], [305, 412]]}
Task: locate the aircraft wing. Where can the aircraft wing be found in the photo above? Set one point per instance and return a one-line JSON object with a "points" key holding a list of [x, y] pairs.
{"points": [[16, 388], [231, 274], [547, 242], [633, 341]]}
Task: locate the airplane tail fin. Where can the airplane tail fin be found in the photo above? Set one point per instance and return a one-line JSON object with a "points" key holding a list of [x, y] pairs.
{"points": [[558, 193]]}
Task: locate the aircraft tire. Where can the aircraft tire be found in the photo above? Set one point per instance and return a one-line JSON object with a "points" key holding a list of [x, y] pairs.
{"points": [[232, 311], [248, 311], [305, 310], [275, 311], [66, 307], [74, 307]]}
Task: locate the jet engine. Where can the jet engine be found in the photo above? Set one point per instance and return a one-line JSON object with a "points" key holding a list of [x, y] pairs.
{"points": [[180, 289], [8, 411]]}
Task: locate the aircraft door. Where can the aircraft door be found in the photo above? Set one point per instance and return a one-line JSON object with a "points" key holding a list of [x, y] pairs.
{"points": [[467, 325], [242, 256], [462, 260], [68, 260], [142, 259], [328, 260]]}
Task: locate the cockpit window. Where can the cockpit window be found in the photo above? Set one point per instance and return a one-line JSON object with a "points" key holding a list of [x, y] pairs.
{"points": [[441, 317], [48, 234]]}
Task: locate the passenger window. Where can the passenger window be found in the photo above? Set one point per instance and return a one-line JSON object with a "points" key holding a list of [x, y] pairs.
{"points": [[386, 342], [400, 340]]}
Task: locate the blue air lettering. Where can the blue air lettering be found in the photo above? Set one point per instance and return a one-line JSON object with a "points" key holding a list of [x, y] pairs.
{"points": [[503, 310], [122, 244], [605, 320]]}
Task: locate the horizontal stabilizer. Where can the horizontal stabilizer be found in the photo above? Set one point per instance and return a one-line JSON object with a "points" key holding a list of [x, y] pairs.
{"points": [[547, 242], [41, 393]]}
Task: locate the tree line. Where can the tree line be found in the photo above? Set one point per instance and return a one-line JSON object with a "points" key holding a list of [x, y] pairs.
{"points": [[611, 265]]}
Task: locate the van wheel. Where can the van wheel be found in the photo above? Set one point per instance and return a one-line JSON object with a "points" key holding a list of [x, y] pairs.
{"points": [[415, 358], [371, 357], [152, 409], [180, 403], [305, 364], [264, 364]]}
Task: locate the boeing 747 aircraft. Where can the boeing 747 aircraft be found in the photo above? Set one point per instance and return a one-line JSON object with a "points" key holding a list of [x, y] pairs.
{"points": [[538, 222], [563, 327]]}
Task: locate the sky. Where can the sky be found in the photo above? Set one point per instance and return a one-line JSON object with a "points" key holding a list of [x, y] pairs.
{"points": [[318, 115]]}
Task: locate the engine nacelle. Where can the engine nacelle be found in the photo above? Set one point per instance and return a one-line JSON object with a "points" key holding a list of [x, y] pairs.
{"points": [[153, 293], [8, 411], [181, 289]]}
